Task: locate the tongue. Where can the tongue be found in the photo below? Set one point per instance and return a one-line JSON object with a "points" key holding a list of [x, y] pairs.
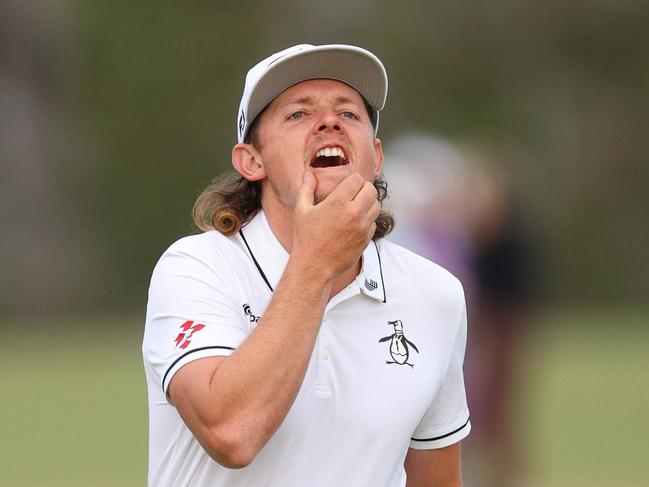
{"points": [[324, 161]]}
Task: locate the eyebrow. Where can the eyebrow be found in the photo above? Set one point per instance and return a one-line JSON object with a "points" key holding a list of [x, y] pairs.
{"points": [[339, 100]]}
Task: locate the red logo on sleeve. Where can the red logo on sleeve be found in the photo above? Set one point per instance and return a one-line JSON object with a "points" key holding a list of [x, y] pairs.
{"points": [[184, 338]]}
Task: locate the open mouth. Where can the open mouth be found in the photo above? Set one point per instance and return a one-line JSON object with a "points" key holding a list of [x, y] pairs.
{"points": [[329, 157]]}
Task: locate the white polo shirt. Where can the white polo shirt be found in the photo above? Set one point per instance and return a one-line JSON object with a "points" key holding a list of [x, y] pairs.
{"points": [[385, 374]]}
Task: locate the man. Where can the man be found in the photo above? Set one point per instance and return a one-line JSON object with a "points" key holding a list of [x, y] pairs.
{"points": [[293, 345]]}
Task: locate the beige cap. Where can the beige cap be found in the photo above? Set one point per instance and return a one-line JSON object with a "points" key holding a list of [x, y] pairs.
{"points": [[352, 65]]}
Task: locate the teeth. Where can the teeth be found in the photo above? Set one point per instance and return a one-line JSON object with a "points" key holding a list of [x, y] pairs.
{"points": [[330, 152]]}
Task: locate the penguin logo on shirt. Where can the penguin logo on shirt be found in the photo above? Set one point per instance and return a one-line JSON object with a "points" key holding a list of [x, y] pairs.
{"points": [[399, 344]]}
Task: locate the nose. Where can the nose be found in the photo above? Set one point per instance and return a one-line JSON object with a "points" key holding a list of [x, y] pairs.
{"points": [[328, 122]]}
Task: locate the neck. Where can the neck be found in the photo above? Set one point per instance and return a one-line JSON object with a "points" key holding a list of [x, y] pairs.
{"points": [[280, 220]]}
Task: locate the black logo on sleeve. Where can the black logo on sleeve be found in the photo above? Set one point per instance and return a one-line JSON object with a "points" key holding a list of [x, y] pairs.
{"points": [[253, 318], [399, 350]]}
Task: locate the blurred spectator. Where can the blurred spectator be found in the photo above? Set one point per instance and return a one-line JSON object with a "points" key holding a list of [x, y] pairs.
{"points": [[459, 212], [427, 180], [42, 251]]}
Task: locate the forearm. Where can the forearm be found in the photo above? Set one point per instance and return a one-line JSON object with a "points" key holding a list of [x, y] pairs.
{"points": [[233, 405], [434, 468], [259, 382], [250, 393]]}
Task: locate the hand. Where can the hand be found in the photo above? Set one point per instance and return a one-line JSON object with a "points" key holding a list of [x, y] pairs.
{"points": [[331, 236]]}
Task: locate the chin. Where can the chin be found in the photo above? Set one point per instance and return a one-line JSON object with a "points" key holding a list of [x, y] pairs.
{"points": [[325, 186], [324, 189], [320, 195]]}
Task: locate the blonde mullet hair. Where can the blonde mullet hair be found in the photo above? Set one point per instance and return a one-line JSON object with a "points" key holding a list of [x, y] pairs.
{"points": [[227, 204]]}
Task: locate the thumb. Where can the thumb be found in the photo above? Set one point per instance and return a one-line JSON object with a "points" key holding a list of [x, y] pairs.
{"points": [[305, 196]]}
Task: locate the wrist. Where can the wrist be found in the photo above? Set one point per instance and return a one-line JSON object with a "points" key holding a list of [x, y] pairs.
{"points": [[310, 271]]}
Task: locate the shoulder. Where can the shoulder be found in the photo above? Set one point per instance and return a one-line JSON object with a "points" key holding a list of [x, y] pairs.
{"points": [[404, 259], [198, 244], [208, 250], [408, 269]]}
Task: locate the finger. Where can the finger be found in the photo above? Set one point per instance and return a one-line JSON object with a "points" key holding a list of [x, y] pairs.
{"points": [[348, 188], [367, 195], [371, 231], [372, 214], [374, 211], [305, 196]]}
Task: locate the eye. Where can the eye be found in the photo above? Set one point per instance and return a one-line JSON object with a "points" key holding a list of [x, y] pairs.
{"points": [[296, 115], [348, 114]]}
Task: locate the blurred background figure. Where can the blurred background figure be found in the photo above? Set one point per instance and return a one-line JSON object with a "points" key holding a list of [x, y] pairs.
{"points": [[427, 180], [457, 210]]}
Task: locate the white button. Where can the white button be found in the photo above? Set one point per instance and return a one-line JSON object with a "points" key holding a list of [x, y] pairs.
{"points": [[326, 355], [324, 392]]}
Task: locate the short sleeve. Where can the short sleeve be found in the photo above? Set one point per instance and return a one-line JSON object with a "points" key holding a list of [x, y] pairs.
{"points": [[193, 311], [447, 419]]}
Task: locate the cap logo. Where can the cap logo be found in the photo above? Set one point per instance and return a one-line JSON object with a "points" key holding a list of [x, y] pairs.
{"points": [[242, 123]]}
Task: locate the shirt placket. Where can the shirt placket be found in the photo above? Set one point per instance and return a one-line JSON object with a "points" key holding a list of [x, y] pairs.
{"points": [[324, 374], [325, 345]]}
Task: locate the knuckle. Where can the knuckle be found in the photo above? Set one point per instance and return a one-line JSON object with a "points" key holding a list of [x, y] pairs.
{"points": [[356, 213], [356, 181]]}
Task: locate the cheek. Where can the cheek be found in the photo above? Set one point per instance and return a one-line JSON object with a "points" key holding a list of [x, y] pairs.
{"points": [[284, 182], [369, 169]]}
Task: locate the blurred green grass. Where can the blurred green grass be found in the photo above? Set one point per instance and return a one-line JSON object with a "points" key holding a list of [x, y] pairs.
{"points": [[586, 399], [73, 409], [74, 404]]}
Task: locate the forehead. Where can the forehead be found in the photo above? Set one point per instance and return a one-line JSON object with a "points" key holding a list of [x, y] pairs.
{"points": [[316, 90]]}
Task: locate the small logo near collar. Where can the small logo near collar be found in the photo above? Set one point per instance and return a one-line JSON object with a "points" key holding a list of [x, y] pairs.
{"points": [[371, 284]]}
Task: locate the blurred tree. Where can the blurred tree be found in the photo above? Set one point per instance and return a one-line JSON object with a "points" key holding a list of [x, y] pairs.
{"points": [[44, 254]]}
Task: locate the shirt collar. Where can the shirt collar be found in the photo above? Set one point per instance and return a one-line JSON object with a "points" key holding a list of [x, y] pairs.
{"points": [[370, 279], [267, 253], [271, 258]]}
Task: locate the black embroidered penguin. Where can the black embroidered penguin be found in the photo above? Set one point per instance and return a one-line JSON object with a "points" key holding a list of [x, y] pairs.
{"points": [[399, 344]]}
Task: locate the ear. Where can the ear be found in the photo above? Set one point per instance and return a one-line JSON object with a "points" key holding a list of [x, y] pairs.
{"points": [[378, 157], [248, 162]]}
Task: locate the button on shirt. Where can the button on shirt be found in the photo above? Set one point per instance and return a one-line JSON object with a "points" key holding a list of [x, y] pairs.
{"points": [[385, 374]]}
